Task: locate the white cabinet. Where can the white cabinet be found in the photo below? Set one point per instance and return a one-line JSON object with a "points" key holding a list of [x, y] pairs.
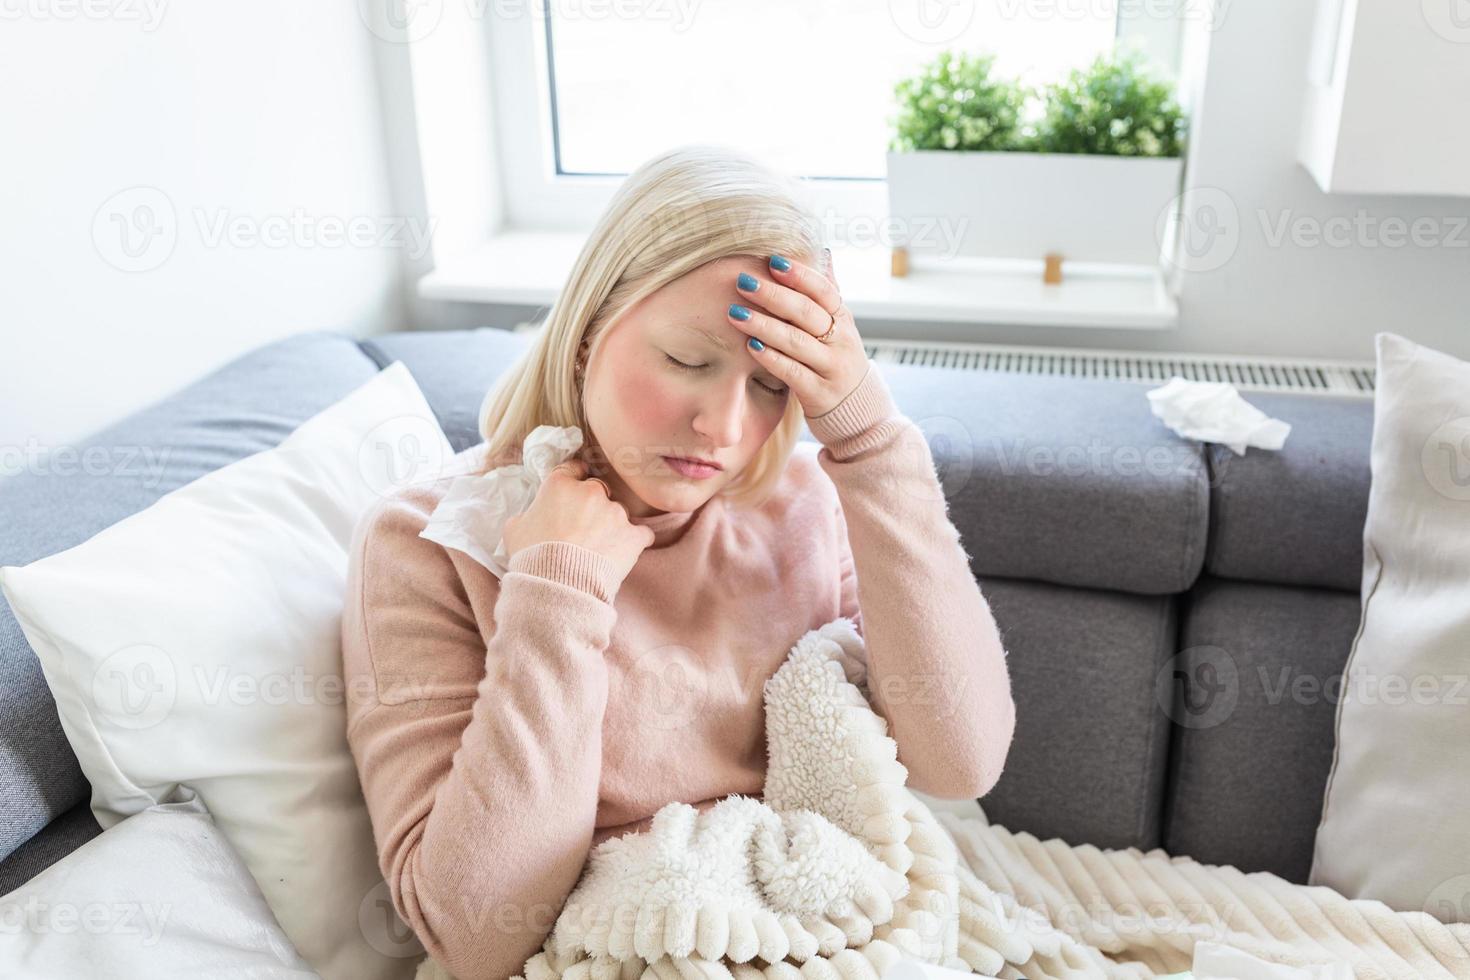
{"points": [[1388, 97]]}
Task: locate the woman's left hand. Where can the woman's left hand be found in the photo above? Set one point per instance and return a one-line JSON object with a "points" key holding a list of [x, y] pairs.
{"points": [[796, 305]]}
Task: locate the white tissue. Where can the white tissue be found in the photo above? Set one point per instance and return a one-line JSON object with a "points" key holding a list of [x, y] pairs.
{"points": [[471, 515], [1216, 961], [1213, 411]]}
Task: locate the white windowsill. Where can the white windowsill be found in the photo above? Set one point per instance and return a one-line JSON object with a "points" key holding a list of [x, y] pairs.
{"points": [[530, 268]]}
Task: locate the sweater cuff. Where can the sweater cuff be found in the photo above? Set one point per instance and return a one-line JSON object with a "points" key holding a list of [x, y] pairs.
{"points": [[569, 564], [864, 407]]}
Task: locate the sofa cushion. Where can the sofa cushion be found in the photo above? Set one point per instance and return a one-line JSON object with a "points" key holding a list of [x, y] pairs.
{"points": [[1065, 480], [1261, 666], [1087, 762], [455, 370], [244, 407], [55, 841], [1295, 515]]}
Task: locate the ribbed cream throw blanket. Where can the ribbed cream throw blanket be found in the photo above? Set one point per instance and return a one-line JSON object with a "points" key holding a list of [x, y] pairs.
{"points": [[840, 869]]}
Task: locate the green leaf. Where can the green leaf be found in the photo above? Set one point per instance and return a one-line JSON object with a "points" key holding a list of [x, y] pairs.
{"points": [[954, 103]]}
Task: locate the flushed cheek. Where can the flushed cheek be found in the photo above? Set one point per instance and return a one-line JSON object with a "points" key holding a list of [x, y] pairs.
{"points": [[652, 406], [766, 424], [772, 417]]}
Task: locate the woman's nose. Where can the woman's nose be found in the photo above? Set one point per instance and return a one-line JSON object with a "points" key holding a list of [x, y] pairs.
{"points": [[720, 417]]}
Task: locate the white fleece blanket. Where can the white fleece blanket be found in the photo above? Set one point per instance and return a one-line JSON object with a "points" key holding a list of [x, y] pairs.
{"points": [[840, 870]]}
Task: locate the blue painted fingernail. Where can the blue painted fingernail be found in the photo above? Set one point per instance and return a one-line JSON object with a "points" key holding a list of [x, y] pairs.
{"points": [[739, 312], [755, 344], [780, 263], [748, 282]]}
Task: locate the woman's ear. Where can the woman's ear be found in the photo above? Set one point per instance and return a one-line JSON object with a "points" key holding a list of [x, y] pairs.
{"points": [[827, 265]]}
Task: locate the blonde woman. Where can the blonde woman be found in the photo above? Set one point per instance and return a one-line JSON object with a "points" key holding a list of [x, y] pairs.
{"points": [[662, 575]]}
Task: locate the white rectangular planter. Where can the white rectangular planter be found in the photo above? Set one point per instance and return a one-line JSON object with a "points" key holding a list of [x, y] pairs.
{"points": [[1087, 207]]}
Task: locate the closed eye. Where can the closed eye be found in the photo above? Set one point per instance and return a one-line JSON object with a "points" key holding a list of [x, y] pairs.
{"points": [[778, 392]]}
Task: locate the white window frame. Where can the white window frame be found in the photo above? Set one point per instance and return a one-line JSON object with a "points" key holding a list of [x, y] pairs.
{"points": [[536, 198], [508, 228]]}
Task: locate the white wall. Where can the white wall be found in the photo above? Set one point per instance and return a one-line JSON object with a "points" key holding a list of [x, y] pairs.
{"points": [[264, 115], [1389, 81], [258, 112], [1299, 298], [1302, 294]]}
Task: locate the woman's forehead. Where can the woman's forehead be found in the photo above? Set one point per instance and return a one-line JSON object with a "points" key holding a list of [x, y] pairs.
{"points": [[720, 273], [694, 305]]}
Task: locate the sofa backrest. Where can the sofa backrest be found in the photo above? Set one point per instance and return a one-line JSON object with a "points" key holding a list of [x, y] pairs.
{"points": [[1267, 629], [1152, 592]]}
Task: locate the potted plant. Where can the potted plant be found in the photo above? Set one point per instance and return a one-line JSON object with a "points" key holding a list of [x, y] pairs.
{"points": [[1087, 180]]}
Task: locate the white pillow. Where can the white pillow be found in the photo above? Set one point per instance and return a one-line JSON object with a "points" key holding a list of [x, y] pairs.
{"points": [[1396, 819], [161, 894], [197, 642]]}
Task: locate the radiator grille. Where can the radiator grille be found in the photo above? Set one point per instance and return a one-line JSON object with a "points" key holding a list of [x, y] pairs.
{"points": [[1246, 373]]}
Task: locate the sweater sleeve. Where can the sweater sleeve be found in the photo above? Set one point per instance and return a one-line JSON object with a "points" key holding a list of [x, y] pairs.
{"points": [[480, 759], [936, 663]]}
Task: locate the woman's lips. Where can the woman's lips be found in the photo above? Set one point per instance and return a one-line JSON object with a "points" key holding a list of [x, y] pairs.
{"points": [[684, 467]]}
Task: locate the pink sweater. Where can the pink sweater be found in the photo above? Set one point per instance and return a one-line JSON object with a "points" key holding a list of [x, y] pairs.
{"points": [[509, 725]]}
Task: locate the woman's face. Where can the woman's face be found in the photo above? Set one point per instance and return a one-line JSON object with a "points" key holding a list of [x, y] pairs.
{"points": [[642, 406]]}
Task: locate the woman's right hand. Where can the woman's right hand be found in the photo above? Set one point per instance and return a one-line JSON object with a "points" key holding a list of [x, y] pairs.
{"points": [[570, 507]]}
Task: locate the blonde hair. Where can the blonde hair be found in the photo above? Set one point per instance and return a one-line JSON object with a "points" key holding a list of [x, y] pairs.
{"points": [[677, 211]]}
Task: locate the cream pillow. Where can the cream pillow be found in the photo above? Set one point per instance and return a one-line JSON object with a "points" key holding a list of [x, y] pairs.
{"points": [[1396, 819], [197, 643], [161, 894]]}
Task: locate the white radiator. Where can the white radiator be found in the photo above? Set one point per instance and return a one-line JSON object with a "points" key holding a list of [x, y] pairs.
{"points": [[1309, 376]]}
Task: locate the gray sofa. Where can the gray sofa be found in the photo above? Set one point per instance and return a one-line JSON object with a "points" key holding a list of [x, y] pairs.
{"points": [[1176, 616]]}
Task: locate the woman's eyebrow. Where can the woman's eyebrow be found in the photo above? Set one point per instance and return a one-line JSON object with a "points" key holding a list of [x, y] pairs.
{"points": [[713, 338]]}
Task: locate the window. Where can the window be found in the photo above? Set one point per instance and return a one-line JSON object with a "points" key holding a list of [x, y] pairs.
{"points": [[588, 89], [806, 85]]}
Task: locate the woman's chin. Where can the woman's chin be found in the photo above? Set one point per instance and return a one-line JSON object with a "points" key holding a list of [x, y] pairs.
{"points": [[679, 493]]}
